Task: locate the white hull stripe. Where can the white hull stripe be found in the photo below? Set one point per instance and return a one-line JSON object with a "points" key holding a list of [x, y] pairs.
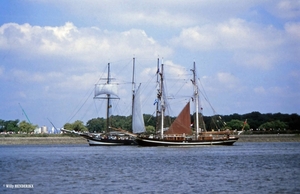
{"points": [[92, 142], [187, 143]]}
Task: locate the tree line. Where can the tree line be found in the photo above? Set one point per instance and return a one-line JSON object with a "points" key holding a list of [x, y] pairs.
{"points": [[254, 122], [15, 126]]}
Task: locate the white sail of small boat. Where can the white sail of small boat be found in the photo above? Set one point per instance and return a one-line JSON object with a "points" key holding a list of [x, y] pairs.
{"points": [[138, 124], [102, 90], [107, 91]]}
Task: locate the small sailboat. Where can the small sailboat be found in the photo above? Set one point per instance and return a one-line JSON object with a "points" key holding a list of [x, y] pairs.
{"points": [[114, 136], [180, 133]]}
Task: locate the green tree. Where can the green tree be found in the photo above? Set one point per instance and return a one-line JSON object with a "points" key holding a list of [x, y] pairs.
{"points": [[293, 121], [255, 119], [150, 120], [2, 125], [96, 125], [150, 129], [122, 122], [68, 126], [274, 125], [26, 127], [79, 126], [76, 126], [235, 124], [10, 125]]}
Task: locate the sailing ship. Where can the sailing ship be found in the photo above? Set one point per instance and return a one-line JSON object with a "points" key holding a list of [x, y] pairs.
{"points": [[180, 133], [115, 136]]}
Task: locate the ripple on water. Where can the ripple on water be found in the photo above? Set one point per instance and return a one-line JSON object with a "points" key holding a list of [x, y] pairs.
{"points": [[245, 168]]}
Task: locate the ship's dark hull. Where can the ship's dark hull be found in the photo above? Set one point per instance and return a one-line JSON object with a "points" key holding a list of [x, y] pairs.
{"points": [[110, 142], [158, 142]]}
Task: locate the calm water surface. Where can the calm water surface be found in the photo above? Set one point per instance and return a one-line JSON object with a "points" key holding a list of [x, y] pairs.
{"points": [[242, 168]]}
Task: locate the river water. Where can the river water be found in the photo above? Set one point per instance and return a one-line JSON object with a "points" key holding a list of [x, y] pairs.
{"points": [[242, 168]]}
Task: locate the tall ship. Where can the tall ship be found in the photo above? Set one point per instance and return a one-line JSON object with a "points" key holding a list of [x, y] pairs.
{"points": [[115, 136], [181, 132]]}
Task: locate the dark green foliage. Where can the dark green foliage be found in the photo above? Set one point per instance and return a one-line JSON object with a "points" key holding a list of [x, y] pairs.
{"points": [[26, 127], [234, 121], [256, 122], [116, 121], [150, 120], [76, 126], [123, 122], [235, 124], [9, 126], [150, 129], [96, 125], [255, 119], [274, 125]]}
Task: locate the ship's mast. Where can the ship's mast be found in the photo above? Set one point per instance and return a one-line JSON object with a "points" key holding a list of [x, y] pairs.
{"points": [[162, 102], [133, 88], [196, 98], [108, 100], [157, 106], [110, 92]]}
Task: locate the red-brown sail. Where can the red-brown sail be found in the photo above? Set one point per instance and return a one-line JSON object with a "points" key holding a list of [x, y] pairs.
{"points": [[182, 123]]}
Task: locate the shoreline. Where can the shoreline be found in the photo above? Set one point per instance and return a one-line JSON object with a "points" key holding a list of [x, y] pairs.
{"points": [[81, 140], [41, 140], [270, 138]]}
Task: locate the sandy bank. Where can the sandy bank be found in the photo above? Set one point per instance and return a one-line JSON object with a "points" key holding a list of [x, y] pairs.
{"points": [[41, 140], [81, 140], [270, 138]]}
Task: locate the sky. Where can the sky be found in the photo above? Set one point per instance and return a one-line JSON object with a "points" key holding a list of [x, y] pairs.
{"points": [[53, 52]]}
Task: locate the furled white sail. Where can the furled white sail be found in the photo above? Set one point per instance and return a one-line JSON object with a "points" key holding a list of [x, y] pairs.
{"points": [[106, 89], [138, 125]]}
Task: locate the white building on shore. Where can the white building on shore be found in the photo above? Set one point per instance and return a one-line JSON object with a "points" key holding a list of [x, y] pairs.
{"points": [[46, 130]]}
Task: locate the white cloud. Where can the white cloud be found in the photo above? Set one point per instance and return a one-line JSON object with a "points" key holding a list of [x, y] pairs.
{"points": [[25, 76], [293, 30], [230, 35], [276, 90], [258, 60], [22, 94], [228, 80], [2, 69], [175, 70], [34, 77], [71, 55], [222, 82], [251, 44], [78, 82], [195, 39], [260, 90], [85, 44], [287, 9], [166, 14], [160, 18], [296, 75]]}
